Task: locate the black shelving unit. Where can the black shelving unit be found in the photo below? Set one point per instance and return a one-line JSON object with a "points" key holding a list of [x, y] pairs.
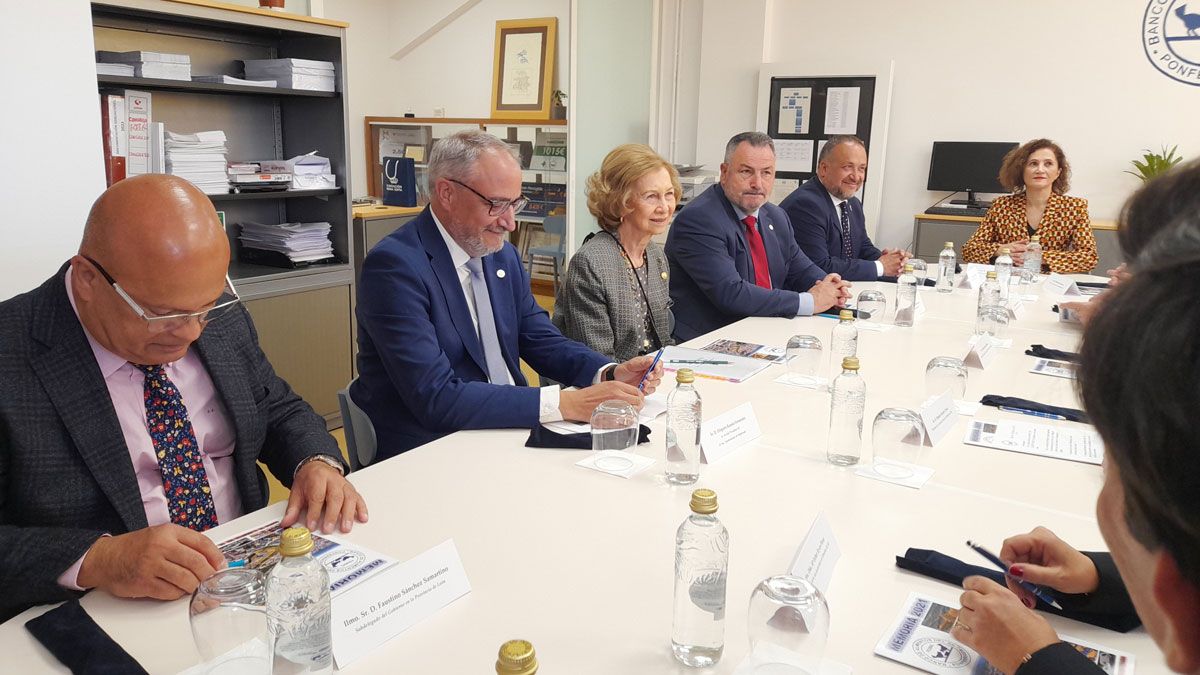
{"points": [[275, 194], [157, 84]]}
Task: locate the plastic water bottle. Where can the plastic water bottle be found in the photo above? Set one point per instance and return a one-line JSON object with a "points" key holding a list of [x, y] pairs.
{"points": [[947, 262], [846, 415], [683, 430], [1004, 270], [298, 608], [517, 657], [844, 340], [906, 297], [701, 570], [1033, 260], [989, 291]]}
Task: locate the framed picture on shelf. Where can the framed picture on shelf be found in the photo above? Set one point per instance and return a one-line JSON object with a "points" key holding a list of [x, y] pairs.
{"points": [[523, 69]]}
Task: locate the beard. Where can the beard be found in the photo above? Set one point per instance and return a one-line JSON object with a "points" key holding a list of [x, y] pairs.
{"points": [[473, 243]]}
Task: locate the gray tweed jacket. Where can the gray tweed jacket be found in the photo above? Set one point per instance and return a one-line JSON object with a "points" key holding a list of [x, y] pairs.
{"points": [[598, 306]]}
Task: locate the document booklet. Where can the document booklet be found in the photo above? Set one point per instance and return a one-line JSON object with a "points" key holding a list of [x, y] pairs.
{"points": [[748, 349], [714, 365], [1078, 443], [348, 564], [920, 637]]}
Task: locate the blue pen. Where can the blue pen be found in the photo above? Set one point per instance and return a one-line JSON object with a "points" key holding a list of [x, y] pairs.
{"points": [[1033, 413], [1032, 588], [651, 368]]}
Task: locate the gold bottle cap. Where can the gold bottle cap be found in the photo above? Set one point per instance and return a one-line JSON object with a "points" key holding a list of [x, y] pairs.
{"points": [[949, 244], [685, 376], [1006, 251], [850, 363], [846, 315], [516, 658], [1033, 238], [294, 541], [908, 267], [704, 501], [991, 274]]}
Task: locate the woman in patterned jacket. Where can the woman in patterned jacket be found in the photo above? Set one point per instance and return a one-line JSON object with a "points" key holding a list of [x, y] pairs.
{"points": [[615, 297], [1039, 176]]}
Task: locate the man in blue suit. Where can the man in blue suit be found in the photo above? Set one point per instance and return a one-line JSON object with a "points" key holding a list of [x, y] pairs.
{"points": [[733, 254], [445, 312], [828, 219]]}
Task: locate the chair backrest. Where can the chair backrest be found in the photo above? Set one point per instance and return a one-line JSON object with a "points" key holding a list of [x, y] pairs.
{"points": [[556, 225], [361, 442]]}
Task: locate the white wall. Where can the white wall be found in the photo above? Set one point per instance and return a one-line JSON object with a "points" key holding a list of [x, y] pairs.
{"points": [[1071, 70], [50, 124]]}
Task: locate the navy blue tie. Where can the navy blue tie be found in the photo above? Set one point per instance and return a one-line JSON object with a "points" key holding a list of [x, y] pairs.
{"points": [[847, 250]]}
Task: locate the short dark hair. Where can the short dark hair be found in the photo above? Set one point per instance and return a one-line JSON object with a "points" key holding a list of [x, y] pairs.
{"points": [[756, 139], [1139, 378], [834, 141], [1012, 169], [1161, 203]]}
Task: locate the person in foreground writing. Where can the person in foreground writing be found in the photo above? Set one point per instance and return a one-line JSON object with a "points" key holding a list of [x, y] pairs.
{"points": [[1139, 387]]}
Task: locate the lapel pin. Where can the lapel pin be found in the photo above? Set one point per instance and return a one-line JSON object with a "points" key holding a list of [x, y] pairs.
{"points": [[664, 276], [770, 226], [500, 273]]}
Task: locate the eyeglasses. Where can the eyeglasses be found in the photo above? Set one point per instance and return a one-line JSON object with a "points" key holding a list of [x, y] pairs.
{"points": [[158, 323], [497, 206]]}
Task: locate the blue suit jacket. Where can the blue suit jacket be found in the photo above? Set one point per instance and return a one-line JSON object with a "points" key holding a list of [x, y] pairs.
{"points": [[421, 368], [712, 275], [818, 227]]}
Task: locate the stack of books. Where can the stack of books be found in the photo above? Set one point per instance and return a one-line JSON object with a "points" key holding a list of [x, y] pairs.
{"points": [[294, 73], [200, 158], [285, 244], [149, 64]]}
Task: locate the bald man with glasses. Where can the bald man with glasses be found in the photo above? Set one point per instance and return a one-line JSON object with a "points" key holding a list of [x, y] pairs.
{"points": [[445, 313], [134, 405]]}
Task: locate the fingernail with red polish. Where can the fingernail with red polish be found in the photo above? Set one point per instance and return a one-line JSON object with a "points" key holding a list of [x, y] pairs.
{"points": [[1016, 571], [1028, 602]]}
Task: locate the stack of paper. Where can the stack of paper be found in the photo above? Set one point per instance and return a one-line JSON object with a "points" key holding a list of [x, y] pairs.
{"points": [[200, 158], [294, 73], [229, 79], [152, 64], [300, 242], [309, 172], [122, 69]]}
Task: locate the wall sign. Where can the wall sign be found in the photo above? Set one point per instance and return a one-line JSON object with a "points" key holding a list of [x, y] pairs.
{"points": [[1171, 38]]}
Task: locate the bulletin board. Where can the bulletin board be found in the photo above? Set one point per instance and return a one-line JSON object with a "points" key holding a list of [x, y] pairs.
{"points": [[803, 112]]}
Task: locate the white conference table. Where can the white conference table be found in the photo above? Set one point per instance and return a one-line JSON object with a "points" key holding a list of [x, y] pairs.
{"points": [[581, 563]]}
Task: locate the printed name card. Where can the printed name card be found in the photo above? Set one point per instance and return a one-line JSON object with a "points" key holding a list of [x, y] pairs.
{"points": [[1016, 308], [818, 555], [983, 352], [938, 415], [973, 275], [1058, 284], [727, 432], [368, 615]]}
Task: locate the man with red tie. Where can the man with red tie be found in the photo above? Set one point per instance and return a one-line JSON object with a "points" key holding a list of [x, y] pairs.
{"points": [[734, 255]]}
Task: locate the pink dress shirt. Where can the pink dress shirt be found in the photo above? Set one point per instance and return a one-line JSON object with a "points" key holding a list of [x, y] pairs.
{"points": [[210, 422]]}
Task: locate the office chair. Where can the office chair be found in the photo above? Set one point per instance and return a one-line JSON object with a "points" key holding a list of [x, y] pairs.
{"points": [[361, 443]]}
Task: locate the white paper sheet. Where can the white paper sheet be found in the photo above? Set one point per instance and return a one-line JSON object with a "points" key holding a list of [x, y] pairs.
{"points": [[841, 110], [1077, 443], [793, 155], [795, 111]]}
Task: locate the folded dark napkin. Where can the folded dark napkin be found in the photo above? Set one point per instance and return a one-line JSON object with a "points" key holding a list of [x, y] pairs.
{"points": [[541, 437], [1092, 284], [71, 635], [1025, 404], [892, 280], [1043, 352], [952, 571]]}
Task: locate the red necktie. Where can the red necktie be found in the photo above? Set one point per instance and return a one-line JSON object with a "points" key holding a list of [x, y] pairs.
{"points": [[758, 253]]}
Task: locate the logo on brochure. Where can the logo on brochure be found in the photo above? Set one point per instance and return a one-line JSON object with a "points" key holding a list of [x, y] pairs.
{"points": [[1171, 38], [342, 559], [941, 652]]}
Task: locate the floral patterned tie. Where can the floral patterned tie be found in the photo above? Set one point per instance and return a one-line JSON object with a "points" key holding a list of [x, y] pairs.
{"points": [[185, 482]]}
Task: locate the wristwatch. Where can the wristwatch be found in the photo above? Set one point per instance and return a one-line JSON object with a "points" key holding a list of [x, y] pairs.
{"points": [[609, 374], [324, 459]]}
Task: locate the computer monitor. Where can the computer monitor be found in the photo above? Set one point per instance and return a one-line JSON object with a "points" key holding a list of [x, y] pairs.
{"points": [[967, 166]]}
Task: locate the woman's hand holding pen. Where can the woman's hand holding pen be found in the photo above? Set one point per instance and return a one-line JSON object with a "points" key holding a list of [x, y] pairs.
{"points": [[1041, 558]]}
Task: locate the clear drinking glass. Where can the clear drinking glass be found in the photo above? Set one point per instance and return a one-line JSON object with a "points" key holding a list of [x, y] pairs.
{"points": [[920, 271], [946, 372], [228, 614], [899, 435], [992, 320], [804, 356], [614, 431], [873, 304], [788, 626]]}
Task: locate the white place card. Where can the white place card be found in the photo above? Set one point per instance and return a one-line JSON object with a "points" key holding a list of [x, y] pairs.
{"points": [[1058, 284], [983, 352], [818, 554], [974, 275], [616, 463], [804, 381], [896, 472], [727, 432], [366, 616], [967, 408], [1030, 297], [1016, 308], [1064, 369], [938, 415]]}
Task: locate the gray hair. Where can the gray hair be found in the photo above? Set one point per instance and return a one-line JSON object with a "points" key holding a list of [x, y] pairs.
{"points": [[455, 155], [834, 141], [756, 139]]}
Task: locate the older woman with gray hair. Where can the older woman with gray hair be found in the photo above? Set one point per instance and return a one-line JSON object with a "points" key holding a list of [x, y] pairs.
{"points": [[615, 297]]}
